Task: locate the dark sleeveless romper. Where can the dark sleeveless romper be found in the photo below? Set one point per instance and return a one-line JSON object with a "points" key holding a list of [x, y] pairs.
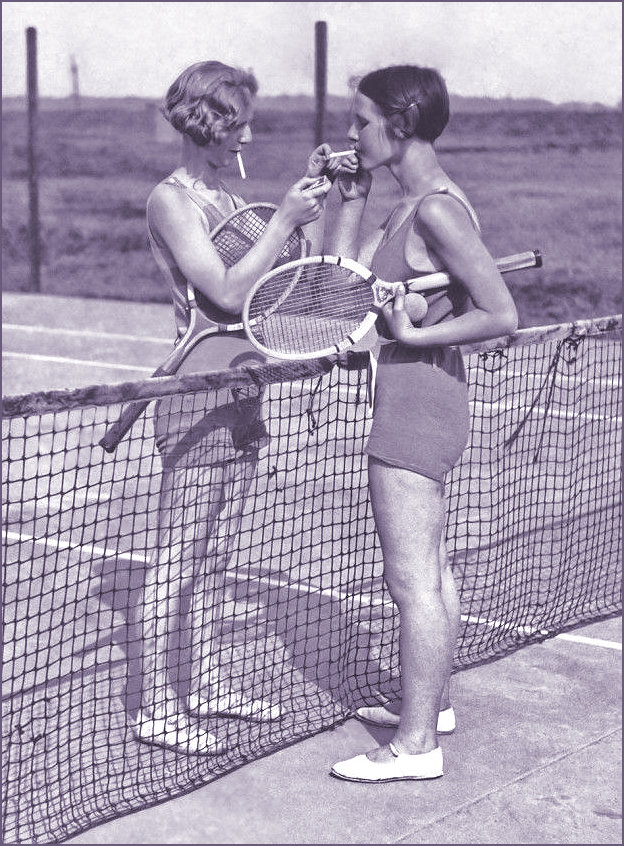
{"points": [[421, 414]]}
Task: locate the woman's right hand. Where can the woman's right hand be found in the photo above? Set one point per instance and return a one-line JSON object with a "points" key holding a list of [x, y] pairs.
{"points": [[304, 201], [355, 185]]}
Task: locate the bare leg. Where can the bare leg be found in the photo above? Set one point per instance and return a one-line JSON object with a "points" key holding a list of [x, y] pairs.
{"points": [[212, 670], [450, 599], [410, 514], [189, 502]]}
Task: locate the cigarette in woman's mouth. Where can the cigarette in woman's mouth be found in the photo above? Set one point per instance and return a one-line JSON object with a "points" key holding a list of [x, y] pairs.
{"points": [[241, 166]]}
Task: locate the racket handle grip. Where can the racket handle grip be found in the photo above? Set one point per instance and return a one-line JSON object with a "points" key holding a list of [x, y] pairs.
{"points": [[115, 433], [517, 261], [131, 413]]}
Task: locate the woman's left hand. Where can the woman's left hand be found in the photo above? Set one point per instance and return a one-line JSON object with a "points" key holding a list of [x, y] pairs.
{"points": [[317, 163], [398, 320], [320, 163]]}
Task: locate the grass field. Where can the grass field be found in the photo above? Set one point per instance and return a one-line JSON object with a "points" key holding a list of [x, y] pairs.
{"points": [[549, 180]]}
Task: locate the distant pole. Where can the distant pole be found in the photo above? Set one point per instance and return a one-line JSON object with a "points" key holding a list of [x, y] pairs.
{"points": [[75, 84], [33, 176], [320, 32]]}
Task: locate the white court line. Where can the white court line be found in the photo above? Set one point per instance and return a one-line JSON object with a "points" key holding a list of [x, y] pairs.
{"points": [[103, 552], [100, 551], [592, 641], [561, 379], [543, 412], [89, 333], [57, 359]]}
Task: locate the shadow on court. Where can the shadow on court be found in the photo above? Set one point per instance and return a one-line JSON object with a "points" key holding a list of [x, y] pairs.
{"points": [[535, 759]]}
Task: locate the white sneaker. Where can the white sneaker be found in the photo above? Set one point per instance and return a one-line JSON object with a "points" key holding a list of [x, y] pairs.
{"points": [[379, 715], [233, 704], [175, 732], [401, 767]]}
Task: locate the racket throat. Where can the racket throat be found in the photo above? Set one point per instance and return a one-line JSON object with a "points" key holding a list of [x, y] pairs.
{"points": [[383, 292]]}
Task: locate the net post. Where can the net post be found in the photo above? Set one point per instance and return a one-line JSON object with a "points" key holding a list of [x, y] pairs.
{"points": [[33, 175], [73, 67], [320, 33]]}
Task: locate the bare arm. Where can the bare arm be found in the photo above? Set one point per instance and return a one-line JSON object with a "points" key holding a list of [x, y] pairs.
{"points": [[315, 230], [181, 226], [345, 237], [448, 231], [354, 185]]}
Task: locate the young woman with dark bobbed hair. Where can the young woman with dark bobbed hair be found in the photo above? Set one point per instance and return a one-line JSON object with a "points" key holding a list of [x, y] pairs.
{"points": [[421, 414]]}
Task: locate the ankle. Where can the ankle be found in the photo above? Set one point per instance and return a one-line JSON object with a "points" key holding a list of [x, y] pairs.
{"points": [[162, 710], [414, 745]]}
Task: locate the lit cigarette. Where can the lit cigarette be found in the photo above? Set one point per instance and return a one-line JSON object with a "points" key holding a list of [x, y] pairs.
{"points": [[343, 153], [241, 166]]}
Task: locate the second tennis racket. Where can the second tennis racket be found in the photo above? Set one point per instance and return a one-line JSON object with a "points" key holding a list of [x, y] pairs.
{"points": [[323, 305]]}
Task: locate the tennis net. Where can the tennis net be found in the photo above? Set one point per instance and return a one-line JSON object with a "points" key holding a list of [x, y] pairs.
{"points": [[305, 628]]}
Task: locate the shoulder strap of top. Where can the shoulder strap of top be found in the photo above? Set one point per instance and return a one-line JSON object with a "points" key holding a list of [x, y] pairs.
{"points": [[214, 214], [384, 225], [236, 200], [458, 197]]}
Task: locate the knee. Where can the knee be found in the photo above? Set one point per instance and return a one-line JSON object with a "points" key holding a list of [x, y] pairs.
{"points": [[416, 591]]}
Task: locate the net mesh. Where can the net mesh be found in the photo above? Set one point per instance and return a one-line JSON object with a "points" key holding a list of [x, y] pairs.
{"points": [[241, 230], [283, 610]]}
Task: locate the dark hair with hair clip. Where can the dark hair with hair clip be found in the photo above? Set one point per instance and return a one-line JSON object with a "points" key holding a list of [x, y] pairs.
{"points": [[414, 100], [208, 99]]}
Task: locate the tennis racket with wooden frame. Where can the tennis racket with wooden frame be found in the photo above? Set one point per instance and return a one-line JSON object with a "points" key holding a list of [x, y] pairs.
{"points": [[233, 238], [323, 305]]}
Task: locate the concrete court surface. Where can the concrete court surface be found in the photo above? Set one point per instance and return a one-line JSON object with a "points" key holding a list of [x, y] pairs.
{"points": [[536, 758], [53, 343]]}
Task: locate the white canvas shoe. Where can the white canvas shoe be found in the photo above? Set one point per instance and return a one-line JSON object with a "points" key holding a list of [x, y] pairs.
{"points": [[233, 704], [176, 733], [401, 767], [379, 715]]}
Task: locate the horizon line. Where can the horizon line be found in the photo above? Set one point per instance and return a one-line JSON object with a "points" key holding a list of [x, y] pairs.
{"points": [[265, 97]]}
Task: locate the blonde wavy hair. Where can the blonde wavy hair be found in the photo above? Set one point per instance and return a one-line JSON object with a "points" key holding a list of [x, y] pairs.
{"points": [[207, 100]]}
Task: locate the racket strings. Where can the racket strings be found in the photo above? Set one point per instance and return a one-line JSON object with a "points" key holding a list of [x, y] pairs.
{"points": [[241, 231], [308, 308]]}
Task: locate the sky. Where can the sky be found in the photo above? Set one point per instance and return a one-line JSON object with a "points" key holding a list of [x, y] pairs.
{"points": [[558, 51]]}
